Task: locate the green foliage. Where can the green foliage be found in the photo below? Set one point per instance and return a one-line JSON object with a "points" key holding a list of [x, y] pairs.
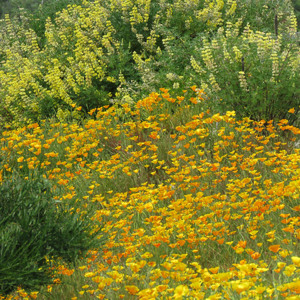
{"points": [[12, 7], [256, 74], [48, 9], [260, 14], [170, 65], [34, 228]]}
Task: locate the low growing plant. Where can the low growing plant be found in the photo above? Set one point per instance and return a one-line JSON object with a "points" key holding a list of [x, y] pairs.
{"points": [[35, 229]]}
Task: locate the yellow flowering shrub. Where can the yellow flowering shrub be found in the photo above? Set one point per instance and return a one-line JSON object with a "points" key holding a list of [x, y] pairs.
{"points": [[254, 73], [115, 51]]}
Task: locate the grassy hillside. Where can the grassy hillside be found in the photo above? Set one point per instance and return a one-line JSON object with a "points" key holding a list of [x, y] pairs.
{"points": [[150, 150], [193, 204]]}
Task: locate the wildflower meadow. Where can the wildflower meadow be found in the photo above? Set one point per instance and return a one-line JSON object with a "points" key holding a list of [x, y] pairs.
{"points": [[160, 165]]}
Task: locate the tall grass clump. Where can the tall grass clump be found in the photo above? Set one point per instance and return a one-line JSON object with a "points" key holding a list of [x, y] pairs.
{"points": [[35, 230]]}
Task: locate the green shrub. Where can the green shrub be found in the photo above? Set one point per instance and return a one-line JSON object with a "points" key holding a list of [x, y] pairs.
{"points": [[12, 7], [170, 65], [48, 9], [255, 73], [34, 228]]}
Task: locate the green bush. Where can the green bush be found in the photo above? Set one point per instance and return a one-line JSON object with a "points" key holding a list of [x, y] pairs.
{"points": [[12, 7], [34, 228], [48, 9], [256, 74], [179, 45]]}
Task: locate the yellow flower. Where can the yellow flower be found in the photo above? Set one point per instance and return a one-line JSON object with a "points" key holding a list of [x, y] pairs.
{"points": [[89, 274], [289, 270], [180, 291], [20, 159], [296, 260], [240, 287], [132, 289], [292, 110]]}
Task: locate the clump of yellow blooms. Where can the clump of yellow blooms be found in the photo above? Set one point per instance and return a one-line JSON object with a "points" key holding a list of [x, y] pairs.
{"points": [[195, 205]]}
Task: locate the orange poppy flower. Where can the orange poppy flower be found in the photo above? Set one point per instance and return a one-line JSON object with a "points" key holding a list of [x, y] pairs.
{"points": [[274, 248]]}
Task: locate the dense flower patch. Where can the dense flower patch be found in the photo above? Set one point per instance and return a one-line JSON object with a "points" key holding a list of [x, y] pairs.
{"points": [[194, 205]]}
